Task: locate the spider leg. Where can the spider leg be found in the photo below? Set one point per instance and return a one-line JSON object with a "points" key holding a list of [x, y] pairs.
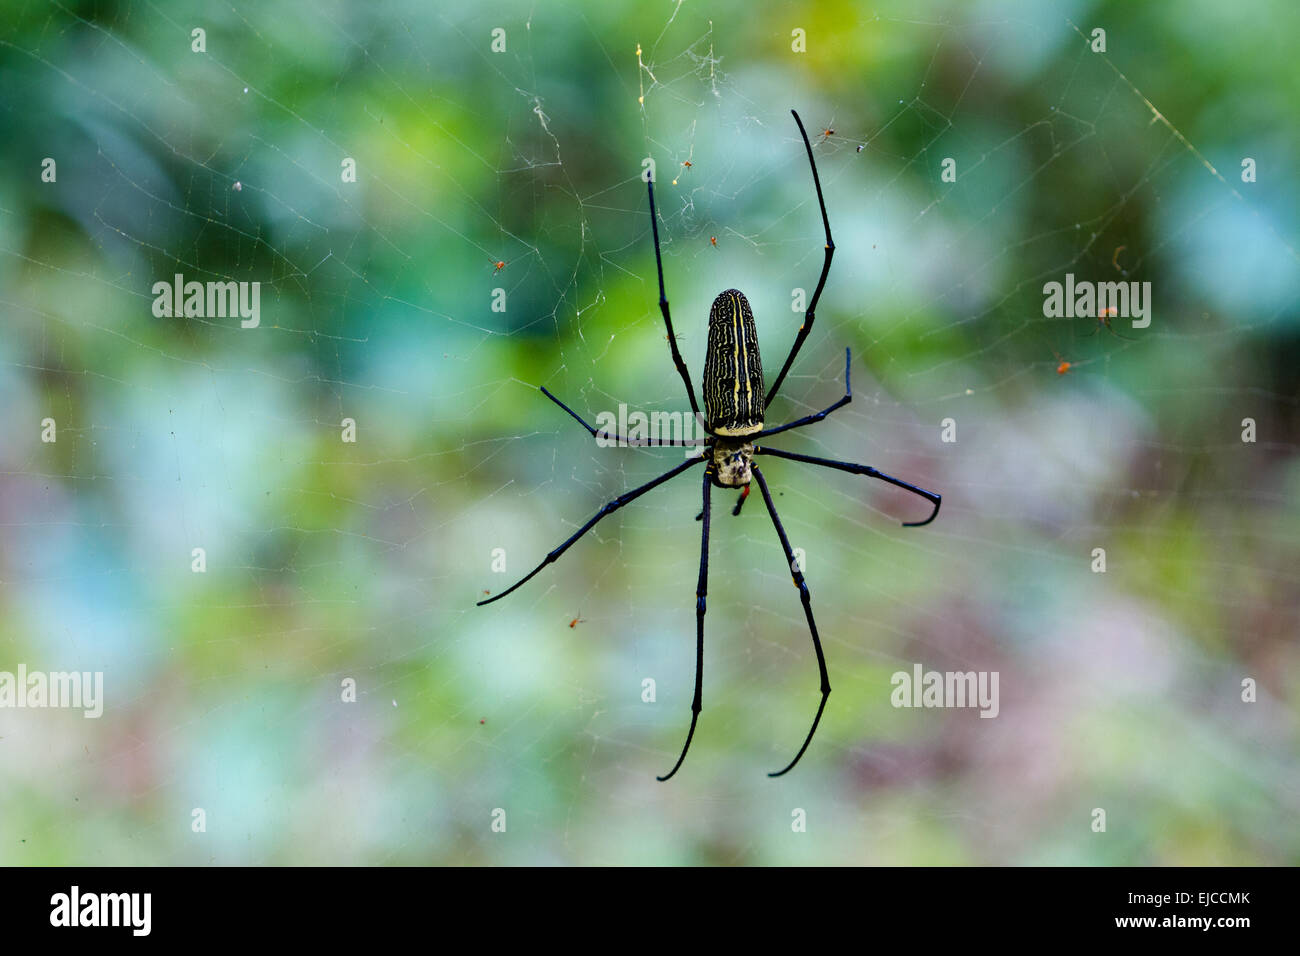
{"points": [[663, 306], [1126, 338], [700, 590], [818, 416], [609, 508], [810, 314], [870, 472], [806, 598], [620, 439], [740, 503]]}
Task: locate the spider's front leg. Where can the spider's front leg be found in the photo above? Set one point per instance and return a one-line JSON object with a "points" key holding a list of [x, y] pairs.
{"points": [[663, 305], [810, 315], [700, 590]]}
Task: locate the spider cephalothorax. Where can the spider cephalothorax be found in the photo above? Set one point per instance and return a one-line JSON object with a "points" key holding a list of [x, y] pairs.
{"points": [[733, 465], [735, 403]]}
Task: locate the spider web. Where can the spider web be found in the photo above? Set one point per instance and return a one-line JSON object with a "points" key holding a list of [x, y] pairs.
{"points": [[520, 170]]}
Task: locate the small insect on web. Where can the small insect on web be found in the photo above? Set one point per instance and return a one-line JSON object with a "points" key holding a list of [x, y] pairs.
{"points": [[734, 403]]}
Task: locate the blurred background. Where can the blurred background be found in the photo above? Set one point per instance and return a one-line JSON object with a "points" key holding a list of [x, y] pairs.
{"points": [[511, 161]]}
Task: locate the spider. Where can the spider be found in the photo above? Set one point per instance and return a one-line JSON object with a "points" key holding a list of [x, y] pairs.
{"points": [[1104, 319], [734, 403]]}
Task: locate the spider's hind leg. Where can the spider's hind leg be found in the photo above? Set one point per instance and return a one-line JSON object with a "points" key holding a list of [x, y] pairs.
{"points": [[701, 591], [806, 598]]}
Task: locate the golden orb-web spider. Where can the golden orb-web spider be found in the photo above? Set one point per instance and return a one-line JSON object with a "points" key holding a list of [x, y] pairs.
{"points": [[734, 403]]}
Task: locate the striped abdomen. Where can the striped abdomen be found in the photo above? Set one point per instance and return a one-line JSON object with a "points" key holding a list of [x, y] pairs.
{"points": [[733, 371]]}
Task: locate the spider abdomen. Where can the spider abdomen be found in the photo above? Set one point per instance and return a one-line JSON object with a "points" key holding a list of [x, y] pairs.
{"points": [[733, 371]]}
